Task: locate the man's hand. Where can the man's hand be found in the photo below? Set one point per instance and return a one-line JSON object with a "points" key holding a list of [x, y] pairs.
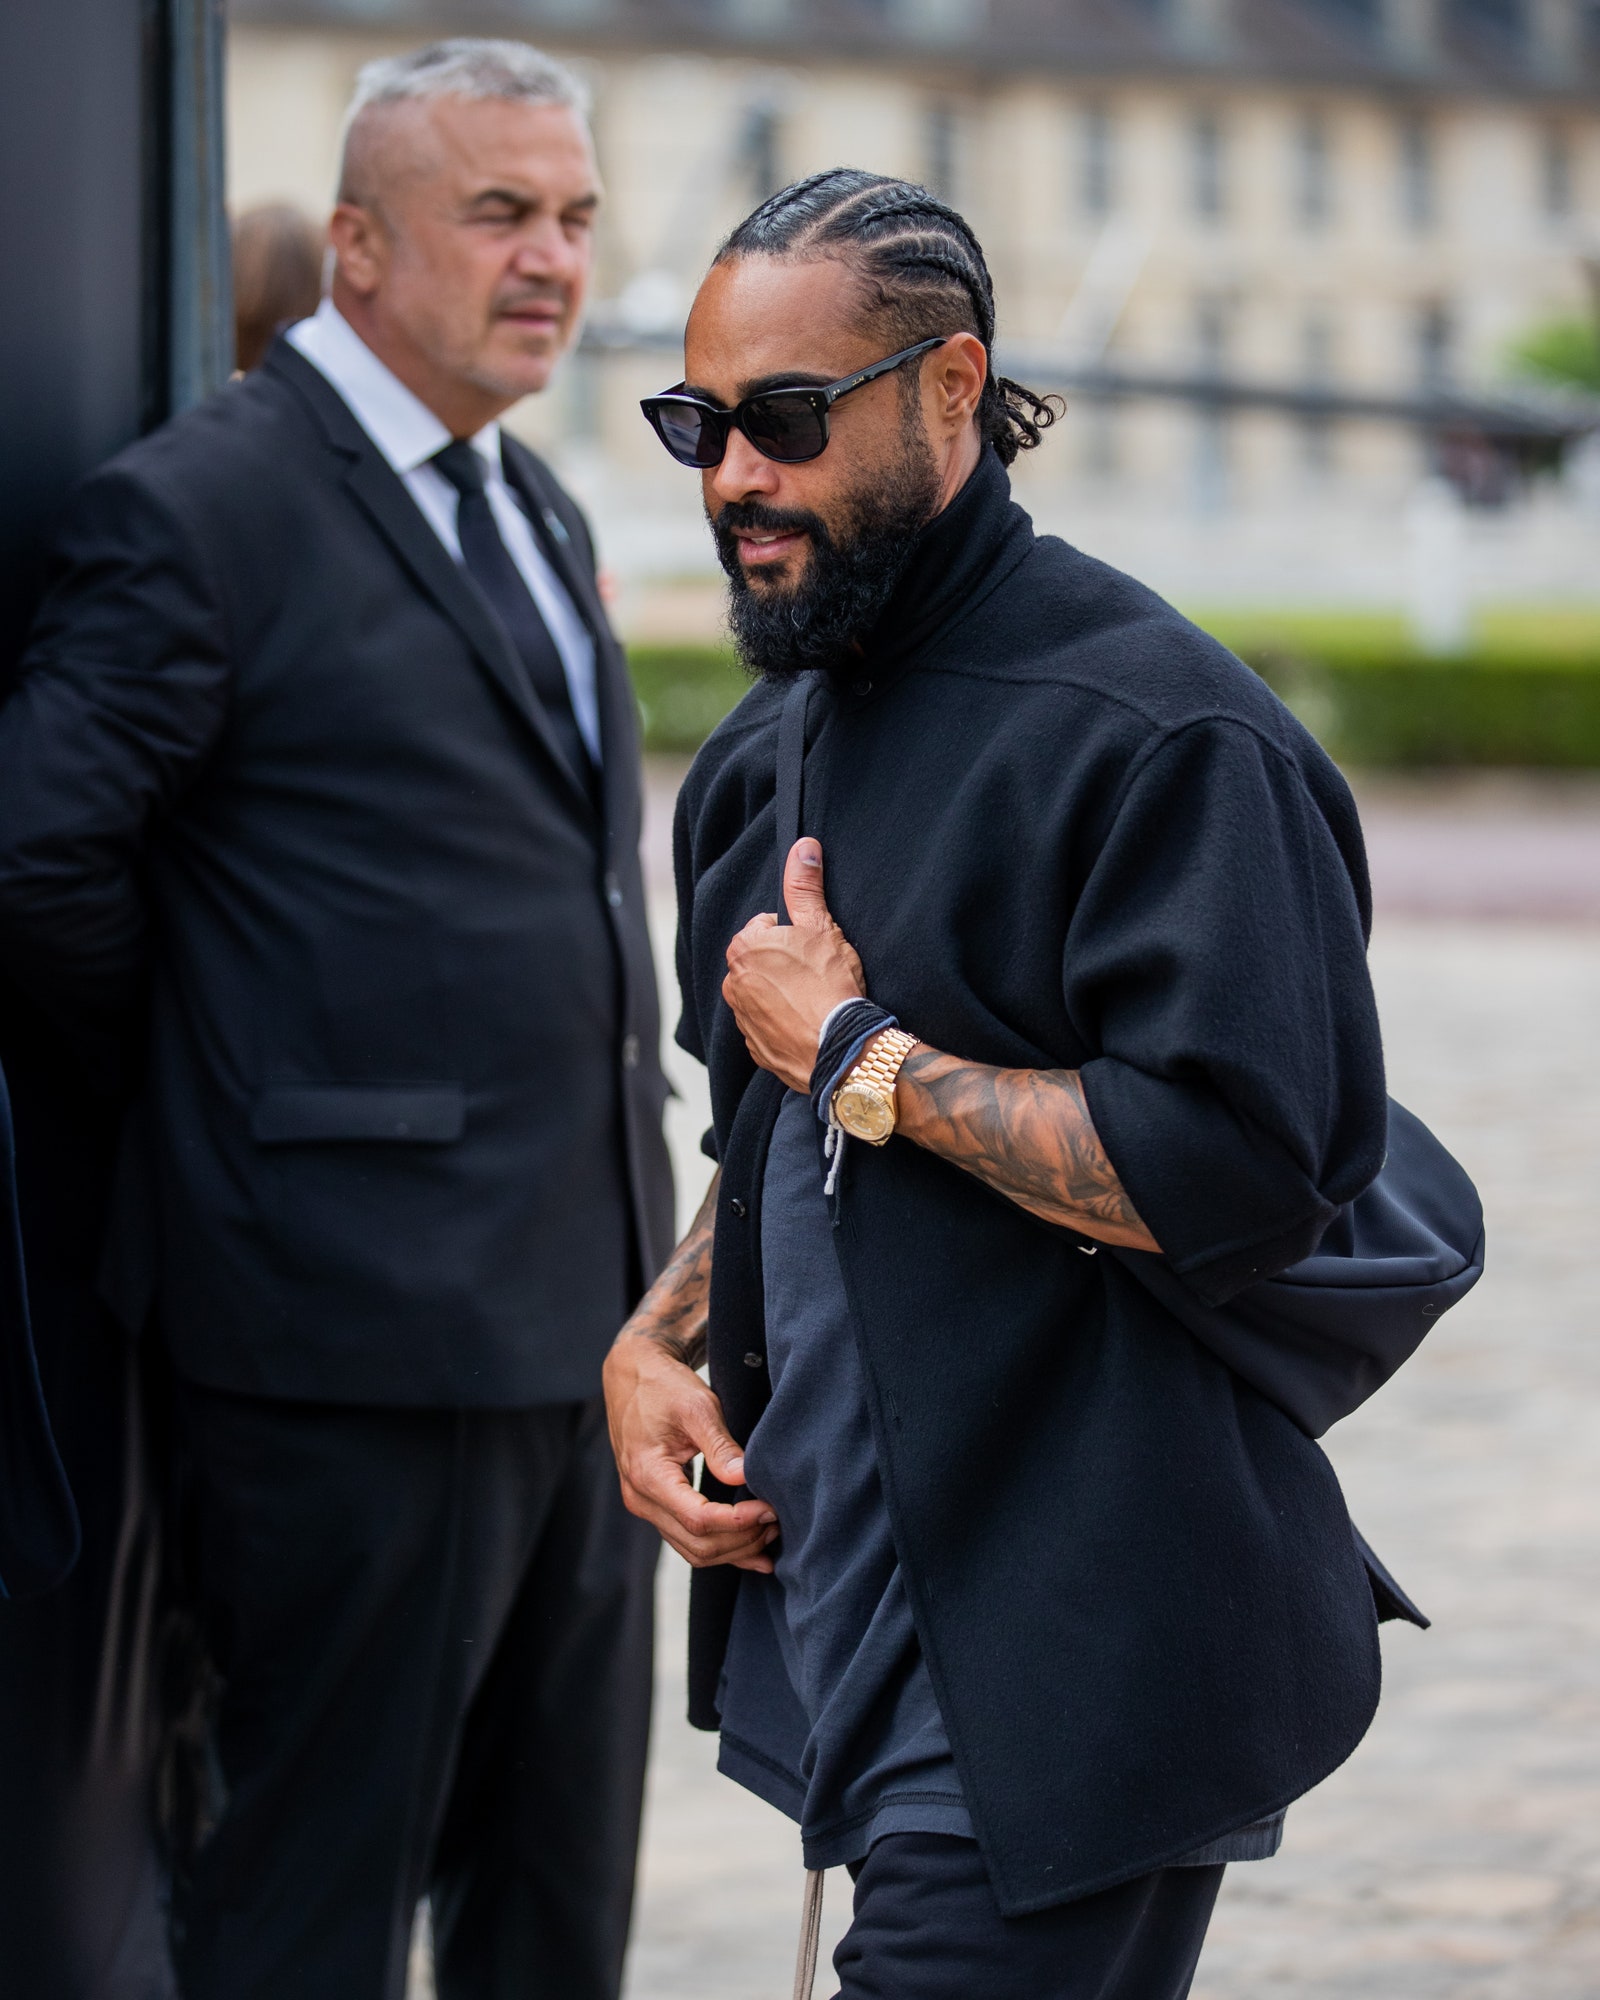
{"points": [[784, 981], [662, 1415]]}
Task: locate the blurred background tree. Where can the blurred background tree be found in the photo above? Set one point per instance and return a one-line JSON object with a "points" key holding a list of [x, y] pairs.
{"points": [[1565, 351]]}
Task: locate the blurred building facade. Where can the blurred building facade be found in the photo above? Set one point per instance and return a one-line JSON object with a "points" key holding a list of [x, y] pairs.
{"points": [[1267, 245]]}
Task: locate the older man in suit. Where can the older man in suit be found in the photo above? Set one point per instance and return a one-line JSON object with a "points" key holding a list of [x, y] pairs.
{"points": [[323, 765]]}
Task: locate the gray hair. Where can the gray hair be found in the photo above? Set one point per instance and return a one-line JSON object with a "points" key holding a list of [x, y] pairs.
{"points": [[464, 66]]}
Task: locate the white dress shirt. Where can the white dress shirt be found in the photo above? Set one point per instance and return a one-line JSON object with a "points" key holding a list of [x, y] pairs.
{"points": [[408, 434]]}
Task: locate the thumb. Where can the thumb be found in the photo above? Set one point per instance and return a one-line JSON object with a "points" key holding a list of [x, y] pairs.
{"points": [[723, 1456], [802, 886]]}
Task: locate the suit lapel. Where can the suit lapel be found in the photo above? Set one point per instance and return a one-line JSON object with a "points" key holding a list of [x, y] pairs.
{"points": [[380, 491], [619, 734]]}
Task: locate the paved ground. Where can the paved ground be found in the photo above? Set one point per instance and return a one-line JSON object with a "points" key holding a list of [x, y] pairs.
{"points": [[1457, 1855], [1485, 846]]}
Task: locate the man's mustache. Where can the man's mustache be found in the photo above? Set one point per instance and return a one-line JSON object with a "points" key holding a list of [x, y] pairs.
{"points": [[736, 514], [548, 294]]}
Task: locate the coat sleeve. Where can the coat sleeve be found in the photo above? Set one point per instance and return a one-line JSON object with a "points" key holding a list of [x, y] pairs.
{"points": [[1217, 964], [118, 700]]}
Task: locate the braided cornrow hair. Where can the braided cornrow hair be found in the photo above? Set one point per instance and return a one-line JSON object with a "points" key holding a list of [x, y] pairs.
{"points": [[921, 269]]}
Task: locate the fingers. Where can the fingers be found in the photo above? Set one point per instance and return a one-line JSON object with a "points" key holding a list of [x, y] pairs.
{"points": [[752, 930], [723, 1457], [661, 1416], [803, 897], [704, 1532]]}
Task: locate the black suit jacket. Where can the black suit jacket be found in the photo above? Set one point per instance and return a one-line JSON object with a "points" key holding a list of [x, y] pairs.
{"points": [[271, 774], [38, 1521]]}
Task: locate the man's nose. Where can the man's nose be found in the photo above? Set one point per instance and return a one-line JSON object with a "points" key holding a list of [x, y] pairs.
{"points": [[744, 471], [546, 252]]}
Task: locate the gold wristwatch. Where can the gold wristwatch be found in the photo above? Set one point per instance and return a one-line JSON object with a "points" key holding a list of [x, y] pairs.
{"points": [[864, 1103]]}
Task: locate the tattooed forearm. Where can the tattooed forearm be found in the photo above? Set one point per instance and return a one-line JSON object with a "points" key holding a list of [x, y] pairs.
{"points": [[673, 1311], [1026, 1133]]}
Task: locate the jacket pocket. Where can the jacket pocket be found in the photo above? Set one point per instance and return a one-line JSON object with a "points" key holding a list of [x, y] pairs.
{"points": [[310, 1114]]}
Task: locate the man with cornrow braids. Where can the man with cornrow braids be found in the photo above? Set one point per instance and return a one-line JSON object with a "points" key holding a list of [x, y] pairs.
{"points": [[1027, 1609]]}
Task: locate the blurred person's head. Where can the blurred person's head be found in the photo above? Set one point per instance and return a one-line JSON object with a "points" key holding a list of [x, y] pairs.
{"points": [[464, 228], [277, 276], [826, 278]]}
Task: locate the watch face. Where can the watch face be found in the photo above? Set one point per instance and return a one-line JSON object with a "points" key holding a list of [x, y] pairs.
{"points": [[865, 1111]]}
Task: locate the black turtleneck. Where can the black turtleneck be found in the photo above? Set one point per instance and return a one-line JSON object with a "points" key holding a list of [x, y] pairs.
{"points": [[1065, 829]]}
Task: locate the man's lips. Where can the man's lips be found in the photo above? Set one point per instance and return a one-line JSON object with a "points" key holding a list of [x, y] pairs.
{"points": [[539, 314], [758, 546]]}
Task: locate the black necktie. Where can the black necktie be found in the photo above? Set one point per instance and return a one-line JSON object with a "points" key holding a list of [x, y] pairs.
{"points": [[488, 562]]}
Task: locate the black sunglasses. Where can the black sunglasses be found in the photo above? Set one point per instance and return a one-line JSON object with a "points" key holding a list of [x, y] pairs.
{"points": [[786, 425]]}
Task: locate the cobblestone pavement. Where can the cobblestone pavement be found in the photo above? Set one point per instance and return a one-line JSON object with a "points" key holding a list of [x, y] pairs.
{"points": [[1457, 1855], [1485, 845]]}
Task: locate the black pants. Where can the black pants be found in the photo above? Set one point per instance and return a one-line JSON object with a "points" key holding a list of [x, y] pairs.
{"points": [[927, 1927], [434, 1635]]}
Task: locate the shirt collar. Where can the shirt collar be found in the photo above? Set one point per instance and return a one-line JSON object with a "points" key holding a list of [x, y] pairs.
{"points": [[399, 423]]}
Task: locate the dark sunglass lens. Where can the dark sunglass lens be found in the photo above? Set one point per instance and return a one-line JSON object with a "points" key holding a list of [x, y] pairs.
{"points": [[694, 437], [785, 428]]}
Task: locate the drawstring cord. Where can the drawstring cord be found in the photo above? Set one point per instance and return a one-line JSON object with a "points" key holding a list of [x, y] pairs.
{"points": [[805, 1970], [833, 1145]]}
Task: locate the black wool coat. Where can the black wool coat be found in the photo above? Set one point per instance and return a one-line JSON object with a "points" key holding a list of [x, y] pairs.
{"points": [[271, 779], [1066, 829]]}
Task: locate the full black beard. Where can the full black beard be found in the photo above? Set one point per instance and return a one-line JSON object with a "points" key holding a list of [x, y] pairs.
{"points": [[784, 631]]}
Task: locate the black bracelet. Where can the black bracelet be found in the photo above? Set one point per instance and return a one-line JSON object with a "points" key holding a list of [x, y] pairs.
{"points": [[848, 1033]]}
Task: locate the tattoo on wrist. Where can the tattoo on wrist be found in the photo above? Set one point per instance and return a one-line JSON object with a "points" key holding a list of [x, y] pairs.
{"points": [[673, 1312], [1026, 1133]]}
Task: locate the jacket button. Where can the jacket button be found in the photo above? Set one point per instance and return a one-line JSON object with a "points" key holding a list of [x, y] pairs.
{"points": [[862, 687], [630, 1052], [755, 1360], [613, 890], [738, 1207]]}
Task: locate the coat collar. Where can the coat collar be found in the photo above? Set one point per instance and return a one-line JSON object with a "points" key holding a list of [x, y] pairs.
{"points": [[381, 492], [397, 420], [619, 746], [959, 558]]}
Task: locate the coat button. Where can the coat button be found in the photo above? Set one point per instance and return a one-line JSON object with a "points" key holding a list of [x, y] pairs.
{"points": [[861, 687], [738, 1207], [630, 1052], [613, 891], [755, 1361]]}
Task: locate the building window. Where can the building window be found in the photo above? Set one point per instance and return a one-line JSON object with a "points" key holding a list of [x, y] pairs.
{"points": [[1098, 421], [759, 151], [1213, 442], [1313, 178], [1317, 349], [939, 147], [1211, 337], [1317, 372], [1096, 165], [1418, 193], [1435, 348], [1555, 177], [1207, 167]]}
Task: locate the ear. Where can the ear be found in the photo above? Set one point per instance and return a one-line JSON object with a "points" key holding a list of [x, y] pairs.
{"points": [[953, 382], [359, 247]]}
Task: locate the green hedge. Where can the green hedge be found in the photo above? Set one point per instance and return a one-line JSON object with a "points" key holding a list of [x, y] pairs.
{"points": [[1415, 712], [1370, 700], [684, 692]]}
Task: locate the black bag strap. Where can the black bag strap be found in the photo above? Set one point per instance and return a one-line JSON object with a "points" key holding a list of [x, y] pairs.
{"points": [[791, 773]]}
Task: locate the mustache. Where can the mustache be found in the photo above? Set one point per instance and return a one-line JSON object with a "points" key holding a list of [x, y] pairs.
{"points": [[764, 519], [539, 292]]}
